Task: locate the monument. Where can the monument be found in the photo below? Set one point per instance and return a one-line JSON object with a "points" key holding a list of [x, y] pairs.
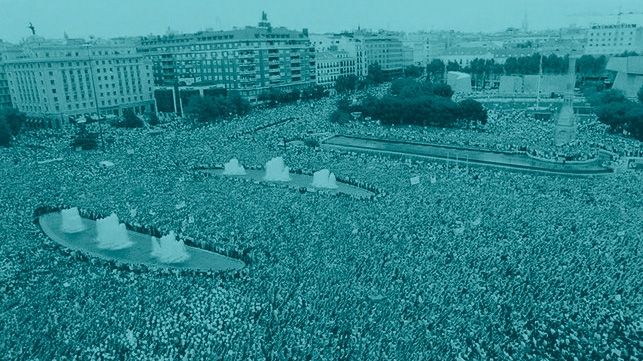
{"points": [[565, 129]]}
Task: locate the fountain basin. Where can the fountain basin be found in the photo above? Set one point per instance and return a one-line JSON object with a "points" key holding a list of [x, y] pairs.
{"points": [[298, 181], [139, 253]]}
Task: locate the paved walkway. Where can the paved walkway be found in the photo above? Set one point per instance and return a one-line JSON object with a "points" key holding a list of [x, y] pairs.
{"points": [[458, 154]]}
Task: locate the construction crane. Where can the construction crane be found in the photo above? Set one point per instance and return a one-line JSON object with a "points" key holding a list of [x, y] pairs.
{"points": [[618, 14]]}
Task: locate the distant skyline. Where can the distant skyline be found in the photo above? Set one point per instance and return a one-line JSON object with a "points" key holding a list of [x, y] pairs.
{"points": [[114, 18]]}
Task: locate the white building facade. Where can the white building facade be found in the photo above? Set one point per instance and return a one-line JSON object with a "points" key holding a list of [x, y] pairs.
{"points": [[72, 78]]}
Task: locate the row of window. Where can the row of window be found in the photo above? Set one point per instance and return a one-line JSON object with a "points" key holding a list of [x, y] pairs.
{"points": [[620, 44], [73, 64], [610, 33], [83, 53]]}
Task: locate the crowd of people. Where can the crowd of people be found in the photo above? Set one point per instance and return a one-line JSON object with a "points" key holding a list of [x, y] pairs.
{"points": [[471, 263]]}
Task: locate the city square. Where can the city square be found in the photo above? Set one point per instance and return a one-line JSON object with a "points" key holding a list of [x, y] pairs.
{"points": [[249, 223]]}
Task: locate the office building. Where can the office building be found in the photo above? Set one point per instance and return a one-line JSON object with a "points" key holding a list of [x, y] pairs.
{"points": [[614, 39], [384, 49], [59, 79]]}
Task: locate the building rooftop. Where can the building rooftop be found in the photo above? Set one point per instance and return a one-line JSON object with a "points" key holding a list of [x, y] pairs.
{"points": [[247, 33]]}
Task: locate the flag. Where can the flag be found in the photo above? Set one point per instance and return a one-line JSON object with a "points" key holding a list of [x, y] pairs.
{"points": [[415, 180]]}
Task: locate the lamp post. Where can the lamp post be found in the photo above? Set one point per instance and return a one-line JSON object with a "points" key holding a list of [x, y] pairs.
{"points": [[91, 71]]}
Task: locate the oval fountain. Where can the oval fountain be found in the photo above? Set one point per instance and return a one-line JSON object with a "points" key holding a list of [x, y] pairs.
{"points": [[109, 239], [276, 172]]}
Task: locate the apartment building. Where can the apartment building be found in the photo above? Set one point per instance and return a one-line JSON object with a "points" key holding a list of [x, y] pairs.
{"points": [[250, 60], [344, 42], [333, 64], [67, 78], [5, 95]]}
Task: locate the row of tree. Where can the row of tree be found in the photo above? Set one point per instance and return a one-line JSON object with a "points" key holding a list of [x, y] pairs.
{"points": [[586, 66], [206, 109], [621, 114], [414, 102]]}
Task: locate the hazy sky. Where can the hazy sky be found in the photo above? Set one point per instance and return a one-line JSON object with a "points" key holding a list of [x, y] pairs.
{"points": [[111, 18]]}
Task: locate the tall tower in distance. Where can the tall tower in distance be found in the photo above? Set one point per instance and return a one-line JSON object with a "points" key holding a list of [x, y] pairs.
{"points": [[565, 129]]}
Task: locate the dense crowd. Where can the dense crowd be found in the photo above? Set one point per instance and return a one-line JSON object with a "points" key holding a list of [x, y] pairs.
{"points": [[472, 263]]}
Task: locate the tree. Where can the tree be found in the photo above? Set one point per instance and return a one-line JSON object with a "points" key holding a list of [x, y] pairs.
{"points": [[14, 119], [412, 71], [131, 119], [472, 110], [408, 85], [626, 53], [635, 121], [453, 66], [376, 74], [442, 90], [435, 71], [554, 64], [5, 133], [587, 65], [346, 83], [590, 88], [153, 119], [511, 66], [240, 105], [208, 109], [614, 114], [606, 97]]}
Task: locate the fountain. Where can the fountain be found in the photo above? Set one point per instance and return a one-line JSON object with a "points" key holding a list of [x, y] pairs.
{"points": [[233, 168], [276, 171], [169, 250], [71, 221], [111, 234], [324, 179]]}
